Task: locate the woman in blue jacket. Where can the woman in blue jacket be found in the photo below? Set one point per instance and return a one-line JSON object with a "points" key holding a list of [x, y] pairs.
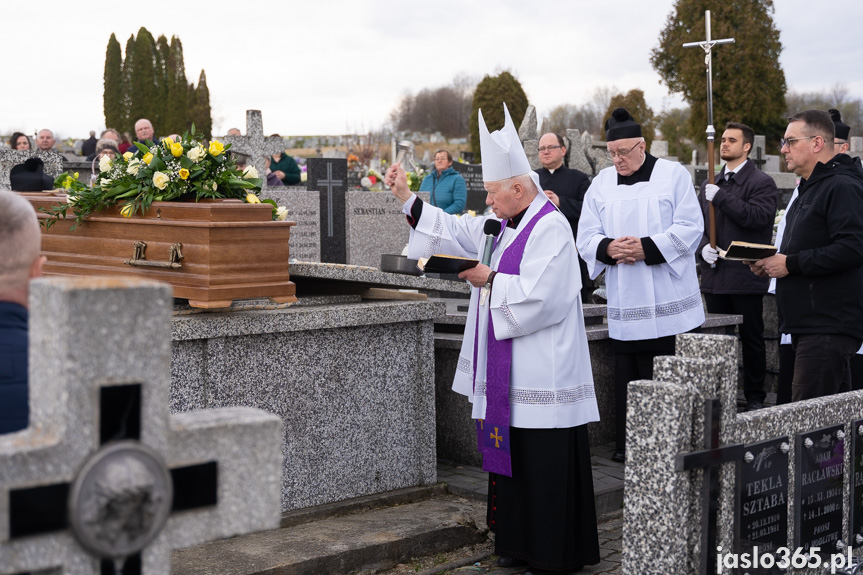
{"points": [[447, 187]]}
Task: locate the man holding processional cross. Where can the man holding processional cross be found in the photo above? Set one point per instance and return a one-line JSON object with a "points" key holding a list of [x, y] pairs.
{"points": [[524, 362]]}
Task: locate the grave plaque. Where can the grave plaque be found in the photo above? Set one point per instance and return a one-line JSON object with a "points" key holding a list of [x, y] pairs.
{"points": [[472, 174], [856, 520], [762, 499], [700, 176], [329, 176], [818, 509], [304, 208]]}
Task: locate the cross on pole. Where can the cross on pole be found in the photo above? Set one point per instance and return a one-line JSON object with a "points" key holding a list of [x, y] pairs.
{"points": [[330, 183], [707, 46], [255, 144], [709, 459]]}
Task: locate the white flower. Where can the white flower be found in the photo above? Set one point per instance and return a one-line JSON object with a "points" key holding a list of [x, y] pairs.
{"points": [[197, 153], [106, 183], [104, 163], [215, 186], [134, 166], [250, 172], [281, 213], [366, 182], [161, 180]]}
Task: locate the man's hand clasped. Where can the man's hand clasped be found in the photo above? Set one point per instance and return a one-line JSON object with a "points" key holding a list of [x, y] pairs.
{"points": [[774, 266], [627, 250]]}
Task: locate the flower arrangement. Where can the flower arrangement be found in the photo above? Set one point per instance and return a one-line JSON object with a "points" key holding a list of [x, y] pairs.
{"points": [[415, 179], [168, 171]]}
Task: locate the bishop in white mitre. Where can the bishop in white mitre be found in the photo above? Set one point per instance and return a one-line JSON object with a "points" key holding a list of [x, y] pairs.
{"points": [[641, 223], [524, 362]]}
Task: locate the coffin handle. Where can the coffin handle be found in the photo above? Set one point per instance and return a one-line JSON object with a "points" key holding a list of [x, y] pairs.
{"points": [[139, 257]]}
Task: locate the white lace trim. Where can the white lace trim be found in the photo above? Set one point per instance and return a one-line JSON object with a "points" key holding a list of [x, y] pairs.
{"points": [[653, 311], [512, 326], [678, 244], [464, 365], [434, 240], [563, 396]]}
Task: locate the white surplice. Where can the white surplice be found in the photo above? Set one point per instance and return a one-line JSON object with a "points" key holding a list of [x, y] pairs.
{"points": [[646, 302], [551, 383]]}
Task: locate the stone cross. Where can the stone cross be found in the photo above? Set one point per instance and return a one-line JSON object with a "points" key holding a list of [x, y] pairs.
{"points": [[255, 144], [758, 152], [9, 158], [104, 477], [329, 183]]}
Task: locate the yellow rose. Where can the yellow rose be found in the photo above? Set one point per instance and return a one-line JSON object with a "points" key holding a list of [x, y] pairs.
{"points": [[177, 150], [148, 157], [252, 199], [161, 180], [183, 173], [216, 148], [169, 143], [128, 156], [127, 211], [281, 213]]}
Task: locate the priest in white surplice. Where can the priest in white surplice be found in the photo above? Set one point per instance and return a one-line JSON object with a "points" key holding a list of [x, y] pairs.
{"points": [[641, 223], [524, 362]]}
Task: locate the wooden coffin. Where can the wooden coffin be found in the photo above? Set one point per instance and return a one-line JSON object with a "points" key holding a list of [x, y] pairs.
{"points": [[212, 252]]}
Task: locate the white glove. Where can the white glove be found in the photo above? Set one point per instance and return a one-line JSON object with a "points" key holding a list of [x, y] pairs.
{"points": [[710, 255], [710, 191]]}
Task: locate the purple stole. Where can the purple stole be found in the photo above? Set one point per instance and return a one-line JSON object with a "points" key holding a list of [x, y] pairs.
{"points": [[493, 432]]}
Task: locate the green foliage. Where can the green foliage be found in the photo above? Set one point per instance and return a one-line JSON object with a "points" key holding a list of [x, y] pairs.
{"points": [[113, 78], [748, 81], [490, 95], [200, 112], [151, 83], [673, 123], [637, 106]]}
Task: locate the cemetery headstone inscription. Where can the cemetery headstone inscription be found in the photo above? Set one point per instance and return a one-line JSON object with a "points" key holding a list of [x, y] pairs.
{"points": [[476, 194]]}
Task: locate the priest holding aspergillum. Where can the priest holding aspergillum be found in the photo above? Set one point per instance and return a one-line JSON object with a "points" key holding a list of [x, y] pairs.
{"points": [[524, 362]]}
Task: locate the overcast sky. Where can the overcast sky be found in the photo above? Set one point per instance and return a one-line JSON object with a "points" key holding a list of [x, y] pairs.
{"points": [[333, 66]]}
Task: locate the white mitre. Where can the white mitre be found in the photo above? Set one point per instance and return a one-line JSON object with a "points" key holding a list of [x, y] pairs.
{"points": [[503, 156]]}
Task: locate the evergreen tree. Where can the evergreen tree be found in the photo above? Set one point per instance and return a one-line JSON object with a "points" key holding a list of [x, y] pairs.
{"points": [[673, 124], [637, 106], [126, 124], [490, 95], [176, 118], [112, 99], [748, 81], [161, 79], [145, 96], [201, 113]]}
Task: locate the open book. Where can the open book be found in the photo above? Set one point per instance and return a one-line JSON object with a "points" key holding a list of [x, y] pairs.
{"points": [[444, 264], [747, 252]]}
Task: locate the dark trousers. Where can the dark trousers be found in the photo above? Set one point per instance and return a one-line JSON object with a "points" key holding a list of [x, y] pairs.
{"points": [[822, 364], [750, 306], [629, 367], [587, 286], [786, 374]]}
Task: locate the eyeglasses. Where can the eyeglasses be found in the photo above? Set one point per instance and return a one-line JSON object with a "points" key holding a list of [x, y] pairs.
{"points": [[788, 142], [548, 148], [621, 153]]}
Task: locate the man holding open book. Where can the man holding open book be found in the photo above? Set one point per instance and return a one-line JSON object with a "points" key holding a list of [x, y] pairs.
{"points": [[745, 201]]}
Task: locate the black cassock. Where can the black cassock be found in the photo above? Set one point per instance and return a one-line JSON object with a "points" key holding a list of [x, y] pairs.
{"points": [[545, 513]]}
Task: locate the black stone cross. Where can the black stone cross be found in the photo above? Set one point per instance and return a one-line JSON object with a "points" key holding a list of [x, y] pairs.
{"points": [[329, 176], [759, 161], [330, 183], [709, 459]]}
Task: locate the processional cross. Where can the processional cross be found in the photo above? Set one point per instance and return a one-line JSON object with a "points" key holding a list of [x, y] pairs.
{"points": [[707, 46]]}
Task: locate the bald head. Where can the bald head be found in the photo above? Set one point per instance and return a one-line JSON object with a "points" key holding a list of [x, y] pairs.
{"points": [[22, 243]]}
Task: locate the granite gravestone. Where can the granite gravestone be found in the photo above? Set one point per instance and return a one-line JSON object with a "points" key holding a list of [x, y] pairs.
{"points": [[819, 498], [255, 144], [856, 519], [104, 480], [762, 493], [328, 176], [375, 226], [10, 158], [305, 209], [476, 194]]}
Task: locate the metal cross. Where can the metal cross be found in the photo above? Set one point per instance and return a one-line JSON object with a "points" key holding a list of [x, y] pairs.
{"points": [[710, 458], [330, 183], [707, 46]]}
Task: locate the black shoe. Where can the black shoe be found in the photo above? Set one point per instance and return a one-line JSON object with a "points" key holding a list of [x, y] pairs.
{"points": [[619, 457], [507, 562], [754, 404]]}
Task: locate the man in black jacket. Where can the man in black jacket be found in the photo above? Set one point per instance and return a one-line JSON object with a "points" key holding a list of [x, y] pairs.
{"points": [[565, 187], [745, 201], [819, 267]]}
